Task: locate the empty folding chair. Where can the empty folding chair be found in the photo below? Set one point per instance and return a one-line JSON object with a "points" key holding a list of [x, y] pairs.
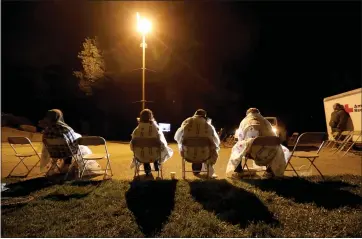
{"points": [[343, 138], [262, 143], [146, 150], [195, 150], [59, 148], [307, 140], [293, 139], [328, 142], [22, 156], [95, 141], [355, 136]]}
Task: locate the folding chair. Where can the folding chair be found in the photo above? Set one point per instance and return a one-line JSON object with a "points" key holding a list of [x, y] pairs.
{"points": [[293, 139], [58, 148], [191, 145], [22, 156], [328, 142], [351, 142], [261, 141], [153, 146], [343, 138], [308, 139], [94, 141]]}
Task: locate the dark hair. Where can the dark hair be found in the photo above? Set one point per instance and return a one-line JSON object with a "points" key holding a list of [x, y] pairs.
{"points": [[201, 112], [146, 116], [252, 110]]}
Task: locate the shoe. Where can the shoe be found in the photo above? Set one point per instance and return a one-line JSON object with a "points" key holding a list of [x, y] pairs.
{"points": [[196, 173], [268, 175], [214, 176]]}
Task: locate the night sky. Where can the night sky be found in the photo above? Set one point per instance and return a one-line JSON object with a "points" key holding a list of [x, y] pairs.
{"points": [[281, 57]]}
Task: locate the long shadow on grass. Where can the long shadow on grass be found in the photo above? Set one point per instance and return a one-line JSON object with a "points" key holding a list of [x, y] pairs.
{"points": [[324, 194], [24, 188], [151, 203], [63, 197], [230, 203]]}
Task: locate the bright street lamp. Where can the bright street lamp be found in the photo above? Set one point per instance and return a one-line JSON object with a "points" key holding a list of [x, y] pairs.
{"points": [[143, 26]]}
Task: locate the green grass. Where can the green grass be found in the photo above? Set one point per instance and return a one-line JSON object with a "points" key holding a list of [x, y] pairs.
{"points": [[217, 208]]}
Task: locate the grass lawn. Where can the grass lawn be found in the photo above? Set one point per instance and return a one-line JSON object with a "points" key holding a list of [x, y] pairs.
{"points": [[290, 207]]}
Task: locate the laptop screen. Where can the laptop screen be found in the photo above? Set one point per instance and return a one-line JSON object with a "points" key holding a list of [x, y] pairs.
{"points": [[165, 127]]}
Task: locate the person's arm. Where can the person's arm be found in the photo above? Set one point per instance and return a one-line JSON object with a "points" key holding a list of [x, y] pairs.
{"points": [[343, 117], [132, 137], [333, 120], [180, 132], [215, 137]]}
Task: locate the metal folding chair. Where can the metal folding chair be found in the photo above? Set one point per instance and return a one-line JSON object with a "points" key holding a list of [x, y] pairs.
{"points": [[308, 139], [263, 141], [328, 142], [94, 141], [355, 136], [59, 148], [22, 156], [150, 153], [293, 139], [341, 140], [192, 144]]}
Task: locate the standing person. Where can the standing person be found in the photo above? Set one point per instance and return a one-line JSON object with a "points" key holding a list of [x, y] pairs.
{"points": [[148, 128], [55, 127], [339, 119], [199, 126], [252, 126]]}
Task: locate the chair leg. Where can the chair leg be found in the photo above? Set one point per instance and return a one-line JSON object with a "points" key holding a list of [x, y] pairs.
{"points": [[14, 169], [208, 171], [183, 168], [312, 163], [295, 171], [160, 169]]}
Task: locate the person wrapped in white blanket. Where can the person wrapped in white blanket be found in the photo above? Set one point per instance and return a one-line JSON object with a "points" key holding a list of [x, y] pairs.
{"points": [[199, 126], [274, 158], [148, 128], [55, 127]]}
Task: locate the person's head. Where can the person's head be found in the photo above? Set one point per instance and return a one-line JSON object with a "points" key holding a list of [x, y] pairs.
{"points": [[146, 116], [337, 106], [53, 116], [200, 113], [253, 111]]}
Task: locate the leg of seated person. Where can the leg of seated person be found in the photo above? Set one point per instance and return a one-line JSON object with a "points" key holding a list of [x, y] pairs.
{"points": [[239, 168], [68, 160], [147, 168], [196, 168], [156, 165]]}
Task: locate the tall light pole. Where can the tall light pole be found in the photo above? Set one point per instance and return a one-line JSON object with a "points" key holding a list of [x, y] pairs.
{"points": [[143, 26]]}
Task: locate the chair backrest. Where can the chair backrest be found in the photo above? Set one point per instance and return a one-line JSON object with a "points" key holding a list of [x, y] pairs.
{"points": [[146, 143], [196, 142], [263, 149], [146, 156], [193, 149], [266, 141], [58, 148], [91, 140], [19, 140], [311, 140]]}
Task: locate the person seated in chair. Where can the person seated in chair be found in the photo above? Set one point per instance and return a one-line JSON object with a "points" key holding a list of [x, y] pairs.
{"points": [[55, 127], [252, 126], [200, 126], [148, 128]]}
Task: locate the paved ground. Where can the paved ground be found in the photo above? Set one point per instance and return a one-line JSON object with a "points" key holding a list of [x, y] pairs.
{"points": [[121, 157]]}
